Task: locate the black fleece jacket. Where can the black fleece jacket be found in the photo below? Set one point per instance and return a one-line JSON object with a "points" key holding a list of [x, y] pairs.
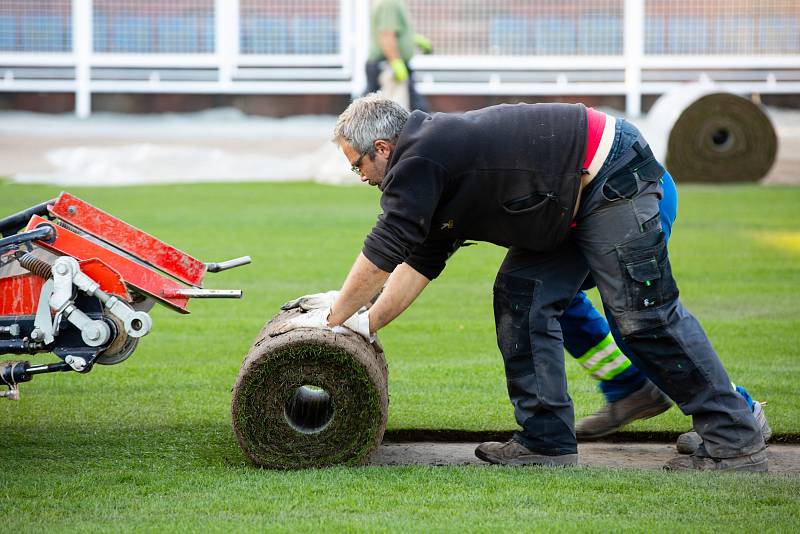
{"points": [[506, 174]]}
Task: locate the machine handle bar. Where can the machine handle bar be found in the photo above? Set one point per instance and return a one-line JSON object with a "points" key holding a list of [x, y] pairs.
{"points": [[42, 233], [225, 265], [197, 293], [12, 224]]}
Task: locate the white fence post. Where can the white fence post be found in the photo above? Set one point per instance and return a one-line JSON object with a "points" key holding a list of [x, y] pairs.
{"points": [[360, 48], [346, 25], [82, 50], [226, 39], [634, 50]]}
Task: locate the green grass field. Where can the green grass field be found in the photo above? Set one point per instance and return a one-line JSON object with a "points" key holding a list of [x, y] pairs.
{"points": [[147, 445]]}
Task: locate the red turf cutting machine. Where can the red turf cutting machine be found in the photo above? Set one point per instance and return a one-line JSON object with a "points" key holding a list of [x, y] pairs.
{"points": [[78, 282]]}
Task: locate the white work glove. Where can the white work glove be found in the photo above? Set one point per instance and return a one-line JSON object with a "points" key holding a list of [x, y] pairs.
{"points": [[312, 302], [358, 323], [318, 318]]}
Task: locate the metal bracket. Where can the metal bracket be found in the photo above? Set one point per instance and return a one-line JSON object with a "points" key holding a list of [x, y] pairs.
{"points": [[137, 323], [76, 362], [65, 271], [44, 325], [58, 294], [12, 330]]}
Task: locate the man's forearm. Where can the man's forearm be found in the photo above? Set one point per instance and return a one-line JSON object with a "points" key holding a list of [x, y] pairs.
{"points": [[404, 285], [363, 283]]}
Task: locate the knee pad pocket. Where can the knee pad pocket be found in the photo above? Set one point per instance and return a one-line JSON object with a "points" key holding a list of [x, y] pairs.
{"points": [[513, 297]]}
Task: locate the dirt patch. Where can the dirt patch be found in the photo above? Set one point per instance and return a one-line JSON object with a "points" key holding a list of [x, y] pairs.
{"points": [[782, 458]]}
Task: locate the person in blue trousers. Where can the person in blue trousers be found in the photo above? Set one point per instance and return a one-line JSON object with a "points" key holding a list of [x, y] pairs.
{"points": [[598, 347]]}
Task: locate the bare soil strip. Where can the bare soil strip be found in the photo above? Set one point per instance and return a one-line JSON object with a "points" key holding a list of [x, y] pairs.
{"points": [[784, 459]]}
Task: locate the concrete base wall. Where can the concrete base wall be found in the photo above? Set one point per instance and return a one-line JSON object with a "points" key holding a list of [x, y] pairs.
{"points": [[288, 105]]}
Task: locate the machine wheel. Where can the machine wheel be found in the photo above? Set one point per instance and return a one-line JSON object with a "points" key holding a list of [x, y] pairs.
{"points": [[121, 348]]}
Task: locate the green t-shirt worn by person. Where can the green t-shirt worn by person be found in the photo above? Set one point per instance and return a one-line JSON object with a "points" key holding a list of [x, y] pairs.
{"points": [[391, 15]]}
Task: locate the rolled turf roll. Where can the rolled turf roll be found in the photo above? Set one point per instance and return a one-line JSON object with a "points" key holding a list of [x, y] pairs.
{"points": [[705, 135], [310, 398]]}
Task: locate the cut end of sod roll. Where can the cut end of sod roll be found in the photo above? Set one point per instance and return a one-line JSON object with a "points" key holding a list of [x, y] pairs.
{"points": [[310, 398]]}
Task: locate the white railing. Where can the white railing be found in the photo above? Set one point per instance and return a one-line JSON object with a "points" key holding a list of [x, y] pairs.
{"points": [[539, 47]]}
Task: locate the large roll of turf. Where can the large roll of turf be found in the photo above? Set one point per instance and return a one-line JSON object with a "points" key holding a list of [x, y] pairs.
{"points": [[705, 135], [310, 398]]}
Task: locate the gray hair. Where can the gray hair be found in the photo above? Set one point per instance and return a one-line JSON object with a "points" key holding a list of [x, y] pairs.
{"points": [[368, 119]]}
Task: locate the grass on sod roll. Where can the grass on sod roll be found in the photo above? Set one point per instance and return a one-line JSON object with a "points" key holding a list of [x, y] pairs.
{"points": [[148, 445]]}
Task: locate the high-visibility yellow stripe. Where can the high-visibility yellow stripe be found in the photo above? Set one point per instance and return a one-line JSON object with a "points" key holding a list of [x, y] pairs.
{"points": [[608, 340], [605, 360], [602, 357], [612, 369]]}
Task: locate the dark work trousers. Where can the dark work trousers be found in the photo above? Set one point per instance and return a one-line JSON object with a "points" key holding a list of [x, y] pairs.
{"points": [[415, 100], [618, 239]]}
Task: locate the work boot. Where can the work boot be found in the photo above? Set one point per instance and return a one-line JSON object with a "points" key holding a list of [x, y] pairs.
{"points": [[689, 442], [648, 401], [755, 463], [513, 452]]}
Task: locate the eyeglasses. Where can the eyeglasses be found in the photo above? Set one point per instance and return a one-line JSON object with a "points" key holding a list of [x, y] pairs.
{"points": [[356, 167]]}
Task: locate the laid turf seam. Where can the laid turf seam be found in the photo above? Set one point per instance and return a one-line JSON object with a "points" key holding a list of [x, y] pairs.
{"points": [[408, 435]]}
